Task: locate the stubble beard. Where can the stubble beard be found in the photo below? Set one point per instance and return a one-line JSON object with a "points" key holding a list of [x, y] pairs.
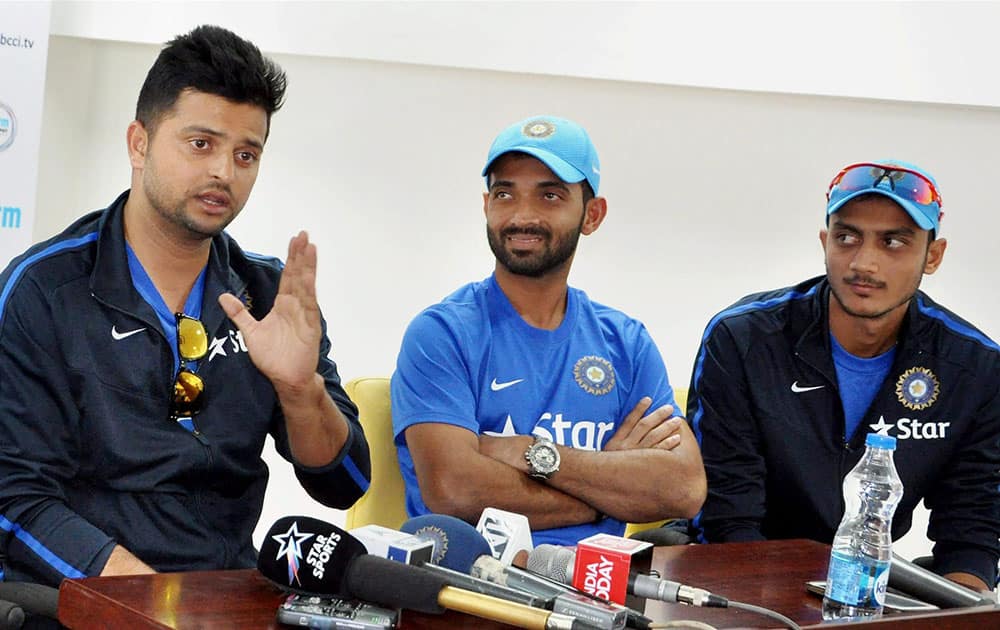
{"points": [[174, 210], [534, 265], [834, 290]]}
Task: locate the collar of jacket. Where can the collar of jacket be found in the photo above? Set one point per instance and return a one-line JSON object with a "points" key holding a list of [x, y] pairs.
{"points": [[813, 334], [111, 281]]}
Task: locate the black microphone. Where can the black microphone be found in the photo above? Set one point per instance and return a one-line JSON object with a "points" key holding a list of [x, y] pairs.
{"points": [[557, 563], [933, 588], [37, 599], [11, 616], [306, 555]]}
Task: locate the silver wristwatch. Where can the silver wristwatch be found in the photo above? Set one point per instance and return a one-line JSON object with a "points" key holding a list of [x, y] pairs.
{"points": [[543, 458]]}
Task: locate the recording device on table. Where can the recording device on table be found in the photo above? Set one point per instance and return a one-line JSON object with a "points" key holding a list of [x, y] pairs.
{"points": [[326, 613]]}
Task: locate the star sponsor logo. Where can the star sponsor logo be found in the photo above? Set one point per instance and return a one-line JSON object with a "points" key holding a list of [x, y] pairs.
{"points": [[290, 547], [917, 388], [594, 375], [588, 435], [911, 429], [218, 345]]}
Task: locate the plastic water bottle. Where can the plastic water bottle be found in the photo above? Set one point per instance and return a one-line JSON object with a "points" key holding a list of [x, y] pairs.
{"points": [[862, 547]]}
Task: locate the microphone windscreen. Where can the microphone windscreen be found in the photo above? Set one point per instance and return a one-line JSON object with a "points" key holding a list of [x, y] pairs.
{"points": [[553, 562], [456, 543], [394, 584], [307, 555]]}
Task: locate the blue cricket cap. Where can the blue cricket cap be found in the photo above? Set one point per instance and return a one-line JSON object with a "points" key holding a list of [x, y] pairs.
{"points": [[560, 144], [906, 190]]}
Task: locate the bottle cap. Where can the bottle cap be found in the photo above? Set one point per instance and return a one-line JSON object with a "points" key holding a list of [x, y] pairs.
{"points": [[881, 441]]}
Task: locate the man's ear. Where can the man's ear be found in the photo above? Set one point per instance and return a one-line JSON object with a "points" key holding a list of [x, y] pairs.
{"points": [[822, 238], [137, 141], [594, 213], [935, 254]]}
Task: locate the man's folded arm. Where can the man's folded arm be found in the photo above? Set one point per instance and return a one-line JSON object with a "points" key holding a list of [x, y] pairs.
{"points": [[456, 478]]}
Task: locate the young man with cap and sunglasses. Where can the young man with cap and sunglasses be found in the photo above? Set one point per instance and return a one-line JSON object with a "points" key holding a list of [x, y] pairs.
{"points": [[145, 357], [518, 392], [787, 384]]}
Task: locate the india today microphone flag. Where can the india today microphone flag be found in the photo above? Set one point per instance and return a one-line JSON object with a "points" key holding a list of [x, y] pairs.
{"points": [[604, 562]]}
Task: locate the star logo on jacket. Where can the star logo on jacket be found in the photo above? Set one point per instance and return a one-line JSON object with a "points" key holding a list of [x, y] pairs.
{"points": [[917, 388], [882, 427], [290, 546], [218, 345], [594, 375]]}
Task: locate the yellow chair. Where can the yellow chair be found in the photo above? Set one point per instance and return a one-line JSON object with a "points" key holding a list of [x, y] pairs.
{"points": [[385, 502], [680, 397]]}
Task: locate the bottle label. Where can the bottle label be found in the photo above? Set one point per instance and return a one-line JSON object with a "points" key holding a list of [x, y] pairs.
{"points": [[857, 581]]}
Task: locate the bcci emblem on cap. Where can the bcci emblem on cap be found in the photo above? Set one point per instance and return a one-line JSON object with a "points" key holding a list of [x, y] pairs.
{"points": [[538, 129], [917, 388], [595, 375]]}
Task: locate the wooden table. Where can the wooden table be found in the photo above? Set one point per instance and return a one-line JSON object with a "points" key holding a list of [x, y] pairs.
{"points": [[770, 574]]}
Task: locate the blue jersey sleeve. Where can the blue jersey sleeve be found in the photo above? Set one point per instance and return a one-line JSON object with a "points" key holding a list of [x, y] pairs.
{"points": [[649, 375], [433, 380]]}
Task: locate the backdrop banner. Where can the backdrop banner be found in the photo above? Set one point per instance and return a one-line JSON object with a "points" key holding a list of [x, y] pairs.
{"points": [[24, 45]]}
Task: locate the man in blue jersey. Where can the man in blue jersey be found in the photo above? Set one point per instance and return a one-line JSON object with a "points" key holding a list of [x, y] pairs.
{"points": [[145, 357], [518, 392], [788, 383]]}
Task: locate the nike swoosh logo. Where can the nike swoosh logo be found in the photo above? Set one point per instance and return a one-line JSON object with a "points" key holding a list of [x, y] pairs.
{"points": [[118, 336], [498, 386], [798, 389]]}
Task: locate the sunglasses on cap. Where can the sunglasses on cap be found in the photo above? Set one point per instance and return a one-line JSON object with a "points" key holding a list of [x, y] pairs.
{"points": [[906, 183], [189, 388]]}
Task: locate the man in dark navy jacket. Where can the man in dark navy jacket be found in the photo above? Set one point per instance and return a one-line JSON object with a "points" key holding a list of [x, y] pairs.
{"points": [[145, 357], [787, 384]]}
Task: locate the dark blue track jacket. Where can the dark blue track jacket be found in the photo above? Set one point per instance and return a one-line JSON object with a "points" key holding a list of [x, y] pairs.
{"points": [[766, 409], [89, 456]]}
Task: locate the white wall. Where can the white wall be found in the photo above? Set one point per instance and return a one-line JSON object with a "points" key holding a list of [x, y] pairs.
{"points": [[713, 193]]}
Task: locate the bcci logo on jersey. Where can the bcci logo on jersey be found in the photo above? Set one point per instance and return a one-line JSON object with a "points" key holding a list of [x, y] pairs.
{"points": [[595, 375], [917, 388]]}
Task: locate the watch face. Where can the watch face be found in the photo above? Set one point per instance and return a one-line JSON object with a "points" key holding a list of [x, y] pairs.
{"points": [[545, 457]]}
